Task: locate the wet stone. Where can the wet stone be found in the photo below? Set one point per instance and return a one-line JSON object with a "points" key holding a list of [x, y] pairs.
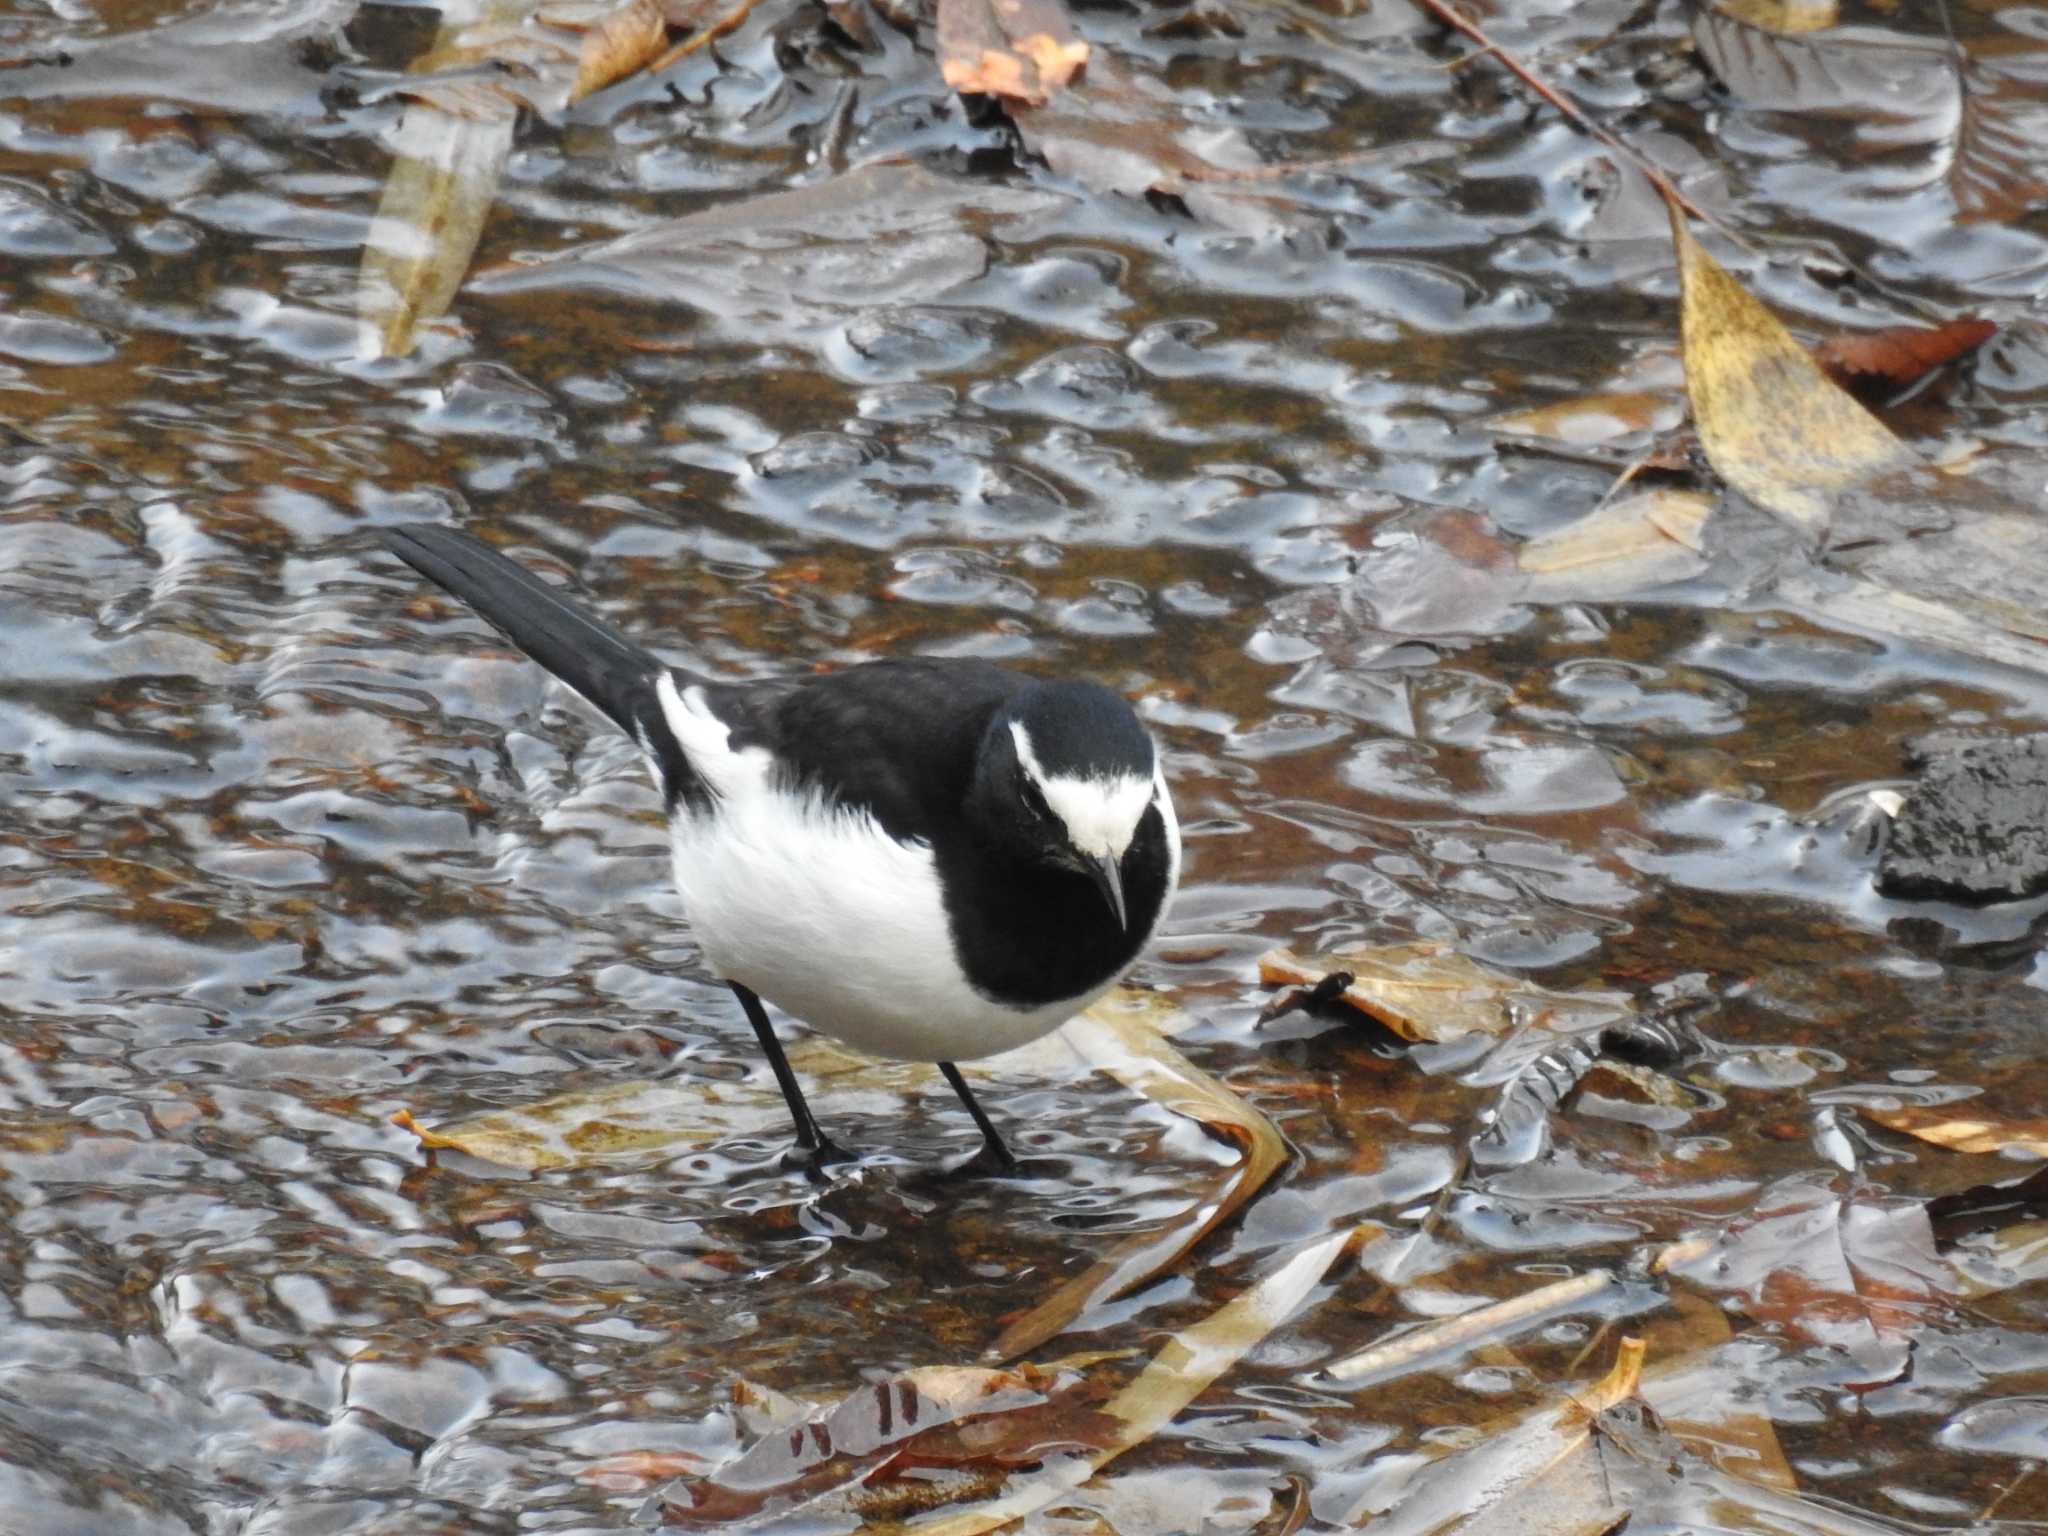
{"points": [[1972, 828]]}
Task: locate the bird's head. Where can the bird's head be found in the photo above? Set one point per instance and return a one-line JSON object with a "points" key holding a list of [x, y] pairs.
{"points": [[1064, 776]]}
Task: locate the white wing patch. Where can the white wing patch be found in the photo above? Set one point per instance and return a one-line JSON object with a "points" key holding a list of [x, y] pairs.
{"points": [[1101, 815]]}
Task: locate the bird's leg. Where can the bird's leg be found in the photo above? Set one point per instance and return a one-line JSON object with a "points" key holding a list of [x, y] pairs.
{"points": [[993, 1156], [814, 1151]]}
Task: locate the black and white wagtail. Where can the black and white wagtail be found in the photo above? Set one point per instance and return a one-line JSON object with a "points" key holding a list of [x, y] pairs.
{"points": [[932, 860]]}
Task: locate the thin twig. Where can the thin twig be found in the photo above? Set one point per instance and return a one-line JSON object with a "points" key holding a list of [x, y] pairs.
{"points": [[1649, 168]]}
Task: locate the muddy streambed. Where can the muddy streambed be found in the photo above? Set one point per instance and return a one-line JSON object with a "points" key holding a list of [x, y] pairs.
{"points": [[288, 845]]}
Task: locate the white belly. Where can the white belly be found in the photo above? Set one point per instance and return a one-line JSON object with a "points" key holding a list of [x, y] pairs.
{"points": [[835, 922], [827, 917]]}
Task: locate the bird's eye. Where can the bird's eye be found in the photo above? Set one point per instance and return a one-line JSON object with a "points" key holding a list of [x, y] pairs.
{"points": [[1034, 800]]}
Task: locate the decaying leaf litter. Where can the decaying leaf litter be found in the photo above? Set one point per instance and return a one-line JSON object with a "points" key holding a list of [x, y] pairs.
{"points": [[1838, 1259]]}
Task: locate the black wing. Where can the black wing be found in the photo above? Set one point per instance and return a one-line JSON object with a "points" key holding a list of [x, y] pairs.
{"points": [[894, 738]]}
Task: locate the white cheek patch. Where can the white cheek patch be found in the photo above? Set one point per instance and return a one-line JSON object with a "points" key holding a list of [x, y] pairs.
{"points": [[1101, 815]]}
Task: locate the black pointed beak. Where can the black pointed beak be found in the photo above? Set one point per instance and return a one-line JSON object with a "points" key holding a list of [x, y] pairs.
{"points": [[1109, 880]]}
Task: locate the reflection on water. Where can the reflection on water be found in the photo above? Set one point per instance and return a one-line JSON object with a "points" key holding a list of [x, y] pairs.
{"points": [[287, 844]]}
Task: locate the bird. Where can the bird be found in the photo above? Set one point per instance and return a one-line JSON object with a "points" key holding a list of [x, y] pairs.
{"points": [[930, 859]]}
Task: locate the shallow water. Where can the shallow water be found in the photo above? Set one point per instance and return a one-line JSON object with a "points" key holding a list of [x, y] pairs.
{"points": [[288, 844]]}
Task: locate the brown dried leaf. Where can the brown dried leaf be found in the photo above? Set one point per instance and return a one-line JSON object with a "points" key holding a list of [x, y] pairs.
{"points": [[1425, 991], [1773, 425], [1901, 353], [1946, 1126], [1592, 419], [620, 42], [1858, 1273], [1023, 50], [860, 1438], [1782, 16]]}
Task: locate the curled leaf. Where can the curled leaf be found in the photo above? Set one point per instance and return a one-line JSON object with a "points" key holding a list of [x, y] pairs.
{"points": [[1426, 991], [1120, 1040]]}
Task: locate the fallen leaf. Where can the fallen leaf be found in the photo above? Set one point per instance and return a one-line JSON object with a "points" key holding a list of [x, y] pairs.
{"points": [[1602, 1460], [1995, 168], [789, 266], [466, 94], [1899, 354], [1853, 1271], [1782, 16], [1987, 1207], [1589, 420], [616, 43], [1426, 991], [1638, 542], [436, 198], [1774, 426], [1188, 1364], [1023, 50], [1767, 55], [631, 1471], [1119, 131], [842, 1454], [1122, 1041], [2011, 1256], [1946, 1125]]}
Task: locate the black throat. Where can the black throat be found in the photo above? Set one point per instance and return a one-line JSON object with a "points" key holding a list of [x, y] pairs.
{"points": [[1027, 933]]}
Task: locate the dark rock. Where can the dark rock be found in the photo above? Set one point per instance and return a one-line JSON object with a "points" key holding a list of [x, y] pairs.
{"points": [[1975, 827]]}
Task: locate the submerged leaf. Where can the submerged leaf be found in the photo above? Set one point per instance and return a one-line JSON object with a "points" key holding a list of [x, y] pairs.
{"points": [[1996, 170], [1856, 1272], [1774, 425], [1188, 1365], [466, 95], [1122, 1042], [1450, 1338], [848, 1452], [790, 265], [1122, 132], [1639, 542], [1587, 420], [1768, 56], [1948, 1126]]}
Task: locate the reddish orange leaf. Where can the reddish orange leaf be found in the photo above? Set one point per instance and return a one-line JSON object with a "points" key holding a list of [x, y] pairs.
{"points": [[631, 1471], [1901, 353], [1022, 49]]}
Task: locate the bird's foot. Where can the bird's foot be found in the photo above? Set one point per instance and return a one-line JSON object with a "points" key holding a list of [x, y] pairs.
{"points": [[816, 1161], [993, 1161]]}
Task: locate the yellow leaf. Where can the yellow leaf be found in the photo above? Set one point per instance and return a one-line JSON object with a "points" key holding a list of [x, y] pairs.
{"points": [[1117, 1038], [1945, 1126], [1774, 426]]}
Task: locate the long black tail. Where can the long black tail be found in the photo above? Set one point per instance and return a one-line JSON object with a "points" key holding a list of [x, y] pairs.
{"points": [[609, 670]]}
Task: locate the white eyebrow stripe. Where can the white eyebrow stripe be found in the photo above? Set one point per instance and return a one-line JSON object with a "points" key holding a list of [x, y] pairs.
{"points": [[1101, 815]]}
